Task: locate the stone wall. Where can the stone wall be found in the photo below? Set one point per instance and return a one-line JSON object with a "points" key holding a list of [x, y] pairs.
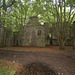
{"points": [[9, 40], [16, 39], [8, 37], [33, 20], [33, 36]]}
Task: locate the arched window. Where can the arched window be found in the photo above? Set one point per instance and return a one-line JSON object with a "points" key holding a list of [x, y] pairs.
{"points": [[39, 32]]}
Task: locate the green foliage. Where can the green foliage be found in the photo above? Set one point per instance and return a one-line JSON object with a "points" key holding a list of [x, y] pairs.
{"points": [[22, 10], [7, 68], [70, 2], [8, 31], [11, 68]]}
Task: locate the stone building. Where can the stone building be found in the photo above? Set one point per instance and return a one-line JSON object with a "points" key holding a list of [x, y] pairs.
{"points": [[32, 34], [9, 39]]}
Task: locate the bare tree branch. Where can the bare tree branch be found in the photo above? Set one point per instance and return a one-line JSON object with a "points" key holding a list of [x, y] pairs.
{"points": [[56, 29], [72, 18], [69, 16], [57, 11], [60, 5], [64, 12]]}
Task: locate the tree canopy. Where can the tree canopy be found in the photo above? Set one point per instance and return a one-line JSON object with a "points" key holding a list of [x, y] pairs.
{"points": [[59, 14]]}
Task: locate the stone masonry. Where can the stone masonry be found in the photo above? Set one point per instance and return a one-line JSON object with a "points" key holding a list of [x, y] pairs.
{"points": [[32, 34]]}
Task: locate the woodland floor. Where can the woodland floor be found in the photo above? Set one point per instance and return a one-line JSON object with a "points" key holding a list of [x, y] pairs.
{"points": [[61, 62]]}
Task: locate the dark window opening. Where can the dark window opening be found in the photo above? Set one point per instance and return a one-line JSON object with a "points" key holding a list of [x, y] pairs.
{"points": [[17, 43], [51, 42], [0, 25]]}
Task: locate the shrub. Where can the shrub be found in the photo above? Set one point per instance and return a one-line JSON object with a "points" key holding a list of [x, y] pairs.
{"points": [[11, 68]]}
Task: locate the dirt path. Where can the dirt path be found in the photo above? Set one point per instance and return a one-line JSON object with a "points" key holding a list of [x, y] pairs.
{"points": [[62, 62], [48, 48]]}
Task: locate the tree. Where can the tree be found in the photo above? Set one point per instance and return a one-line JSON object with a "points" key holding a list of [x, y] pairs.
{"points": [[63, 19], [49, 11], [57, 14], [21, 13], [73, 34], [5, 6]]}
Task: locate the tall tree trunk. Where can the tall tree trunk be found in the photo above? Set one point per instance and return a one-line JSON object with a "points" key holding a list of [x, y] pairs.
{"points": [[3, 22], [25, 15], [61, 44]]}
